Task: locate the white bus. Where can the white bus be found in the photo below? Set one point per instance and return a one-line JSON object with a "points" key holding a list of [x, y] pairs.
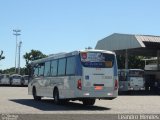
{"points": [[25, 80], [131, 79], [4, 79], [80, 75], [16, 79]]}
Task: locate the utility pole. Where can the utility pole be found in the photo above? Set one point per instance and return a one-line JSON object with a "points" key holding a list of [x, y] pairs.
{"points": [[126, 59], [16, 33], [19, 51]]}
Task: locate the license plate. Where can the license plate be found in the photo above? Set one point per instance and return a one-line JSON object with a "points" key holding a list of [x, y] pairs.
{"points": [[98, 87]]}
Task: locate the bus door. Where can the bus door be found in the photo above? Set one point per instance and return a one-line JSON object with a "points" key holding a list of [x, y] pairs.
{"points": [[39, 78], [123, 81]]}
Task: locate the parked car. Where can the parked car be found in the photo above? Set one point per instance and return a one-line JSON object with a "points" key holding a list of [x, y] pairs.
{"points": [[4, 79], [16, 79], [25, 80]]}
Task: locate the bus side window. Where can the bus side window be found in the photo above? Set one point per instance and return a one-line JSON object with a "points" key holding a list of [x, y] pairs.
{"points": [[47, 69], [41, 69], [61, 67], [35, 71], [54, 67], [70, 67]]}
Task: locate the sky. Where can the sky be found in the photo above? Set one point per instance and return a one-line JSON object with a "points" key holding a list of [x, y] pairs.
{"points": [[53, 26]]}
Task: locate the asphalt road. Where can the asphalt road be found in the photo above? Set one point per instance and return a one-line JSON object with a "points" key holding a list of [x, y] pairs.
{"points": [[15, 100]]}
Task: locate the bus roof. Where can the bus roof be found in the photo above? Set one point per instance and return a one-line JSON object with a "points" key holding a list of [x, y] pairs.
{"points": [[130, 70], [63, 54], [96, 50], [15, 75]]}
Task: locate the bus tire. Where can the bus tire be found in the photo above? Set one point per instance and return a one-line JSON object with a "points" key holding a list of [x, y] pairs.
{"points": [[88, 101], [22, 83], [34, 92], [56, 96], [11, 82]]}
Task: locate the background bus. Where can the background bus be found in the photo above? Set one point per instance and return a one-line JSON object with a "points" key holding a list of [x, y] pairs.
{"points": [[152, 75], [16, 79], [80, 75], [4, 79], [25, 80], [131, 79]]}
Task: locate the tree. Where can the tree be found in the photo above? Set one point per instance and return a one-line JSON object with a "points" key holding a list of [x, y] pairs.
{"points": [[33, 55], [133, 62], [136, 62], [12, 71], [121, 61], [1, 55], [9, 71]]}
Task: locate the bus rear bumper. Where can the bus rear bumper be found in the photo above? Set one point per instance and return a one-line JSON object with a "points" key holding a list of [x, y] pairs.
{"points": [[98, 95], [132, 88], [102, 98]]}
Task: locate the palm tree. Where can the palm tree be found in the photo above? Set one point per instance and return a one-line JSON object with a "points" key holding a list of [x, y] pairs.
{"points": [[1, 55]]}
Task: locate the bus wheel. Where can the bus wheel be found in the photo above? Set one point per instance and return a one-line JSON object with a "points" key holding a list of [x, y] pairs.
{"points": [[37, 98], [88, 101], [10, 82], [22, 83], [56, 96]]}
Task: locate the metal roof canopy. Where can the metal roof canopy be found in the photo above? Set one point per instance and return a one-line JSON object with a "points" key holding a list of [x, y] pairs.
{"points": [[138, 45]]}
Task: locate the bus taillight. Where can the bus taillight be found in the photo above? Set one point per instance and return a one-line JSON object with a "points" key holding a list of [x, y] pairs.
{"points": [[116, 85], [79, 84]]}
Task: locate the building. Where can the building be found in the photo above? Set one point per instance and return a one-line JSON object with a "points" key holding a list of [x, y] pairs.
{"points": [[138, 45]]}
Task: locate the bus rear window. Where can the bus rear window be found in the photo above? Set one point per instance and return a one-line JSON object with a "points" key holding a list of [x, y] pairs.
{"points": [[97, 60], [135, 73], [16, 77]]}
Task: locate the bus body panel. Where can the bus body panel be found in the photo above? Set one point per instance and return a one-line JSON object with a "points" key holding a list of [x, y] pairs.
{"points": [[16, 79], [16, 82], [45, 87], [99, 76], [98, 82], [137, 83]]}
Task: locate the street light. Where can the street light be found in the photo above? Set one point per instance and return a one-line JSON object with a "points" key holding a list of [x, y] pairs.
{"points": [[16, 33], [19, 51]]}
